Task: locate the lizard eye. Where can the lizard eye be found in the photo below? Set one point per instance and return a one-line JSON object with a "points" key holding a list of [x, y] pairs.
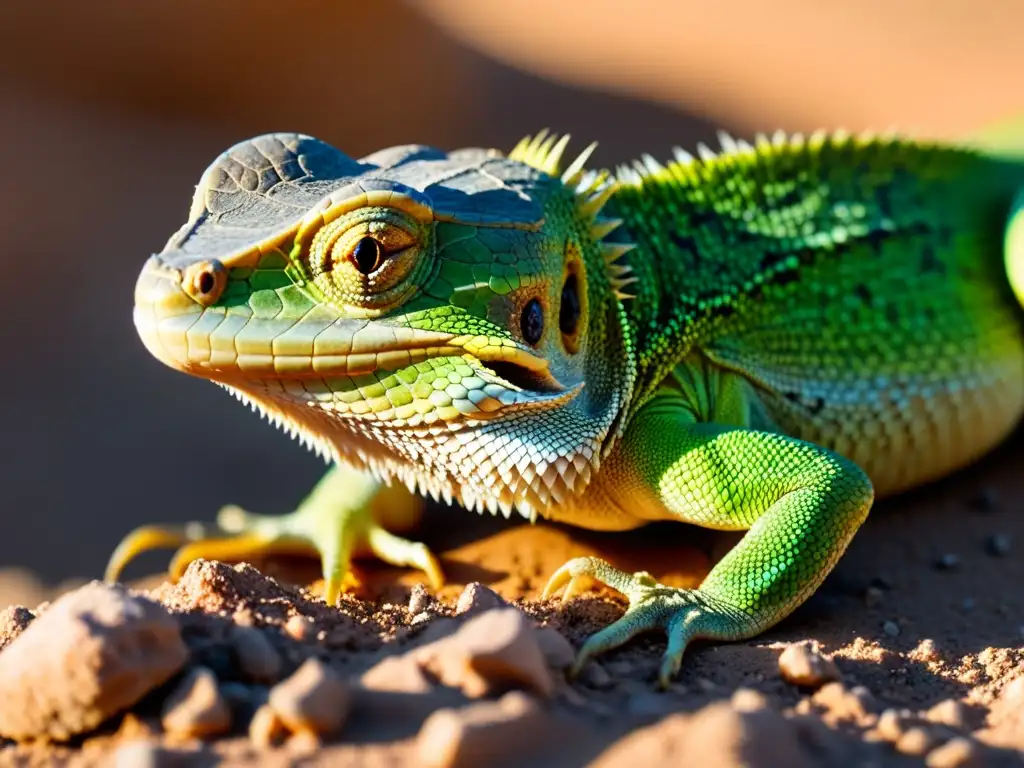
{"points": [[531, 322], [366, 256]]}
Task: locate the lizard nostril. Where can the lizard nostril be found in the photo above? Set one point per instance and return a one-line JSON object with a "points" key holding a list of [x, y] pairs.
{"points": [[205, 281]]}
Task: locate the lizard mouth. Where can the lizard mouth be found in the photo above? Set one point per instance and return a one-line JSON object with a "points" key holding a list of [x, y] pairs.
{"points": [[347, 365]]}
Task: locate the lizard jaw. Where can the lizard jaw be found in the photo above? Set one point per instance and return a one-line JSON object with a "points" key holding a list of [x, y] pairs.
{"points": [[340, 364]]}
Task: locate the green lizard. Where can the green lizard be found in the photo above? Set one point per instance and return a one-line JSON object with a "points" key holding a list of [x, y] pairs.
{"points": [[757, 340]]}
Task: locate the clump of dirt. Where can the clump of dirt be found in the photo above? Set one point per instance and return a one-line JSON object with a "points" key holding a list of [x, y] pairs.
{"points": [[910, 653]]}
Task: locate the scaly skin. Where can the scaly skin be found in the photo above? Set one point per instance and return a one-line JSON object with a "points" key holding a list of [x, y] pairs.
{"points": [[759, 341]]}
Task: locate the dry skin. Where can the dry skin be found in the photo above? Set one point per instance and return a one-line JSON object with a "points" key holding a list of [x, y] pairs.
{"points": [[924, 621]]}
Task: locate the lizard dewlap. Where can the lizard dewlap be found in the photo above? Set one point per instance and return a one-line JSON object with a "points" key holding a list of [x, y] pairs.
{"points": [[762, 340]]}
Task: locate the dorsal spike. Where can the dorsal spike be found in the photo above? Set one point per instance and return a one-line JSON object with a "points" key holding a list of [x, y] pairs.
{"points": [[591, 206], [682, 156], [601, 227], [651, 164], [574, 173], [728, 142], [612, 252], [705, 152]]}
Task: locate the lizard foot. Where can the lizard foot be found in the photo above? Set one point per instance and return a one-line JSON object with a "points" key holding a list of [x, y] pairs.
{"points": [[684, 614], [239, 534]]}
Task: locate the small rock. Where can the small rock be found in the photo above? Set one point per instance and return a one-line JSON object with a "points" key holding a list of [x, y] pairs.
{"points": [[948, 712], [890, 725], [998, 544], [396, 674], [481, 733], [496, 649], [948, 562], [748, 700], [854, 704], [476, 597], [313, 698], [915, 741], [196, 709], [804, 665], [419, 599], [13, 621], [303, 743], [558, 652], [594, 675], [95, 652], [257, 658], [891, 628], [960, 752], [300, 628], [266, 728], [873, 597]]}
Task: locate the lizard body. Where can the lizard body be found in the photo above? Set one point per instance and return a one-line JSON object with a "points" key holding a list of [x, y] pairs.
{"points": [[761, 339]]}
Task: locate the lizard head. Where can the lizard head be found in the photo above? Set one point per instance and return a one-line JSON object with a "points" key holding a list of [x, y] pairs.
{"points": [[454, 321]]}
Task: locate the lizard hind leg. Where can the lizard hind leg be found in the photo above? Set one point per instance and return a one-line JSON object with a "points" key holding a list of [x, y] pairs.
{"points": [[340, 518]]}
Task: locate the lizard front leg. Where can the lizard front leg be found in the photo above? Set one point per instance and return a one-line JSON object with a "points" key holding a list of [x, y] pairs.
{"points": [[800, 503], [342, 516]]}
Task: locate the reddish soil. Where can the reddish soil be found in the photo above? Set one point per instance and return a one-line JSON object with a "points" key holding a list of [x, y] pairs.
{"points": [[923, 618]]}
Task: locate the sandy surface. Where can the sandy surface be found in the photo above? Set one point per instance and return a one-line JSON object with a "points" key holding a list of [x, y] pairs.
{"points": [[924, 619]]}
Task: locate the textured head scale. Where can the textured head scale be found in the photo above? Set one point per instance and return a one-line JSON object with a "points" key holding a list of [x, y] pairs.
{"points": [[404, 311]]}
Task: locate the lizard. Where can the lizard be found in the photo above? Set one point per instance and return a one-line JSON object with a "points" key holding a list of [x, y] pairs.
{"points": [[763, 338]]}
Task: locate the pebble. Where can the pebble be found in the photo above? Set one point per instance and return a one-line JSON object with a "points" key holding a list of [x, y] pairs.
{"points": [[890, 725], [494, 650], [196, 708], [948, 712], [959, 752], [95, 652], [948, 562], [915, 741], [595, 676], [300, 628], [748, 700], [257, 658], [891, 628], [997, 545], [419, 599], [804, 665], [396, 674], [266, 728], [314, 698], [855, 704], [480, 734], [476, 597]]}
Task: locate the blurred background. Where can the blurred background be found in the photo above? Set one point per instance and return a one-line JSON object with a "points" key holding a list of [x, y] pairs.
{"points": [[110, 110]]}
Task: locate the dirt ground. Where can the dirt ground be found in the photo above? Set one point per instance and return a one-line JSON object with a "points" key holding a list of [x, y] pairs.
{"points": [[923, 619]]}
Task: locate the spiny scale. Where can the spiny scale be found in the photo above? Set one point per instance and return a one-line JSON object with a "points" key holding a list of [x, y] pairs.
{"points": [[593, 190]]}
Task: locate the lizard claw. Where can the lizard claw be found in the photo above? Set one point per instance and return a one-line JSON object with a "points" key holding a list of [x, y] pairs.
{"points": [[238, 535], [684, 614]]}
